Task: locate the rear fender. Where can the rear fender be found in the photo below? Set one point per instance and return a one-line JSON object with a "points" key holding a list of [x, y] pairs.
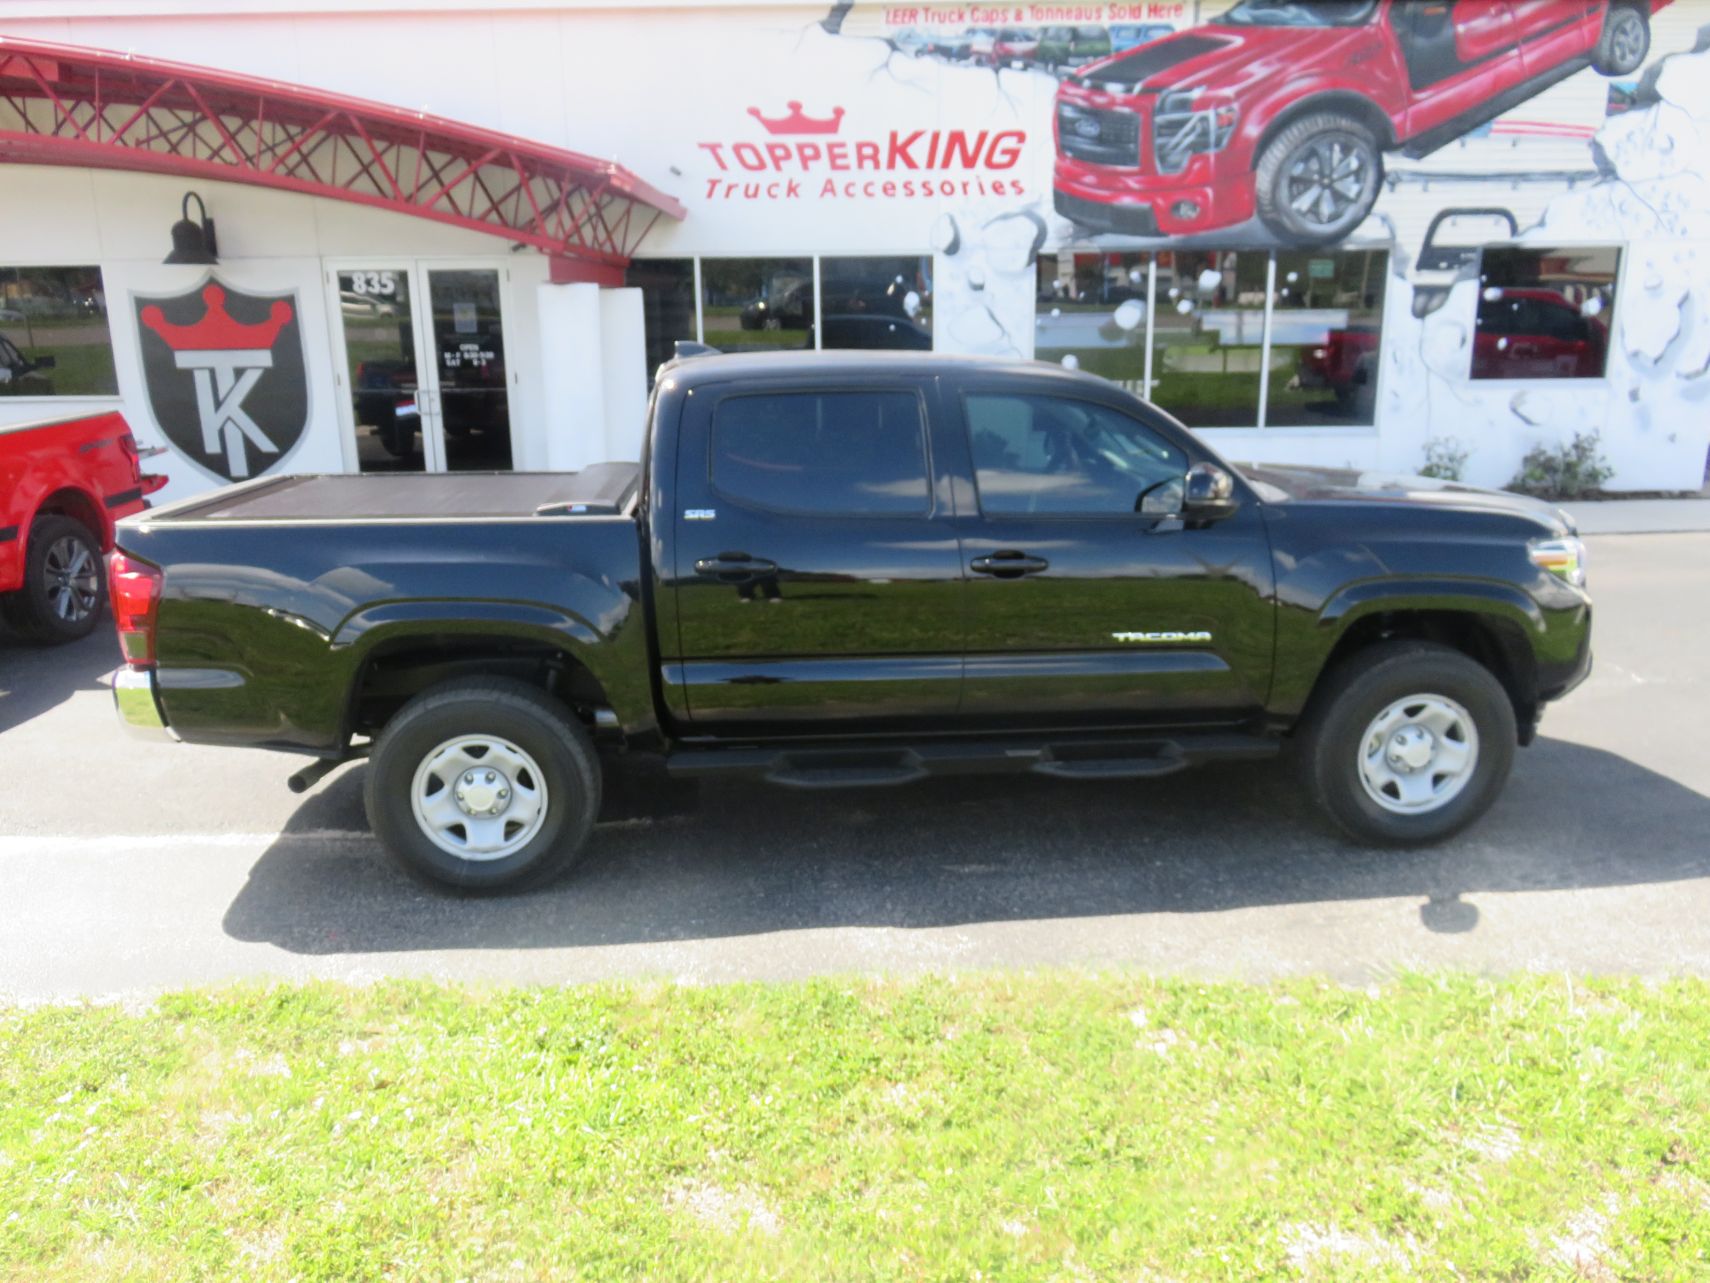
{"points": [[616, 659]]}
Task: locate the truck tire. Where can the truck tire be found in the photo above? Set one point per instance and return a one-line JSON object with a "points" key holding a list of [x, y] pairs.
{"points": [[1624, 41], [483, 784], [1406, 743], [65, 582], [1316, 181]]}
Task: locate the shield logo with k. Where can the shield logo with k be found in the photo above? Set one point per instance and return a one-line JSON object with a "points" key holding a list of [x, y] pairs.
{"points": [[225, 375]]}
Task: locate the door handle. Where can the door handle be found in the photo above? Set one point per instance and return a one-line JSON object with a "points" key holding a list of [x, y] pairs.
{"points": [[735, 567], [1008, 564]]}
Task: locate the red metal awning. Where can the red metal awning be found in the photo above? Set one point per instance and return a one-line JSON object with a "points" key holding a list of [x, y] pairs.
{"points": [[66, 105]]}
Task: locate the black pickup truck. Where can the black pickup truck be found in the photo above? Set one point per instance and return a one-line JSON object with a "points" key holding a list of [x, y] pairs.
{"points": [[848, 569]]}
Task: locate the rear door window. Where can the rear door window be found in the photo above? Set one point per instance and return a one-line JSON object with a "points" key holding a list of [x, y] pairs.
{"points": [[825, 453]]}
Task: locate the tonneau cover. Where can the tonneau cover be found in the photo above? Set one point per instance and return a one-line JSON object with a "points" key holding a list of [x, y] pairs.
{"points": [[601, 488]]}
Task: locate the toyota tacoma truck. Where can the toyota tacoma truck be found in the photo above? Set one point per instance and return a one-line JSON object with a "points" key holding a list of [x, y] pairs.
{"points": [[1284, 108], [845, 569], [63, 483]]}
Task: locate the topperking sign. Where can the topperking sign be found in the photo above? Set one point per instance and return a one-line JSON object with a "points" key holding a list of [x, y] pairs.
{"points": [[225, 375], [795, 155]]}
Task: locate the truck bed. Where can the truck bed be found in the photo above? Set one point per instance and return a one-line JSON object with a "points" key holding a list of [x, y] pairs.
{"points": [[600, 489]]}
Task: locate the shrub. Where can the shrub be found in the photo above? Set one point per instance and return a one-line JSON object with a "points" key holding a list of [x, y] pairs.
{"points": [[1570, 471], [1445, 459]]}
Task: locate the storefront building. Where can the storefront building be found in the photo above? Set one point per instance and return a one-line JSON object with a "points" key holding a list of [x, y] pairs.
{"points": [[1342, 232]]}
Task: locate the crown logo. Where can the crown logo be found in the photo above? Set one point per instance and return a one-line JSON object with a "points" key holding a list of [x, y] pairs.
{"points": [[217, 331], [797, 123]]}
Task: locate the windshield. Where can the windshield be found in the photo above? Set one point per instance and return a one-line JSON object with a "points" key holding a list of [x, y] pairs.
{"points": [[1298, 13]]}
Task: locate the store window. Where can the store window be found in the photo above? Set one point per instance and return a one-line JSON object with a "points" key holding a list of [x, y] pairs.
{"points": [[846, 453], [1544, 313], [1090, 314], [756, 304], [54, 339], [1053, 456], [1326, 329], [1208, 336], [880, 303], [667, 288]]}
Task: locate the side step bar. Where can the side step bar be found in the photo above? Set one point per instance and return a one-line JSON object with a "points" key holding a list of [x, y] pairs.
{"points": [[865, 766]]}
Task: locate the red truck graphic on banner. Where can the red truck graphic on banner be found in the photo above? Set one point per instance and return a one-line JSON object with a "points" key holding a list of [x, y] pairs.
{"points": [[1283, 110]]}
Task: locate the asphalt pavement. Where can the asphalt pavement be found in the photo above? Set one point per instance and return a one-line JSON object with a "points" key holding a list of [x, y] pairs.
{"points": [[128, 867]]}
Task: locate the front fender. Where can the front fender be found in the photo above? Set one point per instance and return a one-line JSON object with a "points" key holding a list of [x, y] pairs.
{"points": [[1481, 596], [1307, 638]]}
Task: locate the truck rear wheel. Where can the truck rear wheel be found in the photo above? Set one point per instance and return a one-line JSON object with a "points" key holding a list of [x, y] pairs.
{"points": [[483, 785], [1407, 743], [1316, 181], [1625, 40], [64, 582]]}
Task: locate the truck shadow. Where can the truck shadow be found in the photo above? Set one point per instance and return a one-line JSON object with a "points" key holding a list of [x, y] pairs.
{"points": [[755, 859], [34, 679]]}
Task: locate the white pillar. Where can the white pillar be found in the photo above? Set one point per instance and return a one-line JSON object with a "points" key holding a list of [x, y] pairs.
{"points": [[572, 376], [623, 357]]}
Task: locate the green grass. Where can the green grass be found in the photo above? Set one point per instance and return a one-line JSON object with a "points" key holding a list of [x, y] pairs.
{"points": [[1055, 1126]]}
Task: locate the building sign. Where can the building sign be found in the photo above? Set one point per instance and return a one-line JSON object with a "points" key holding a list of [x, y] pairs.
{"points": [[225, 376], [795, 155]]}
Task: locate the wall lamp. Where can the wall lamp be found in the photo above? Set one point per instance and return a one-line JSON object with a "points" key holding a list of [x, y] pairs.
{"points": [[193, 242]]}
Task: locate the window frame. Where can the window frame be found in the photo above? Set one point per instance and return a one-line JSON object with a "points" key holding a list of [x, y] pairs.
{"points": [[923, 420], [1263, 419], [1608, 320], [815, 257], [1189, 456], [117, 395]]}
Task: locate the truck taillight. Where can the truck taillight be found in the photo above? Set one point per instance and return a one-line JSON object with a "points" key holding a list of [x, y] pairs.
{"points": [[135, 588], [148, 482]]}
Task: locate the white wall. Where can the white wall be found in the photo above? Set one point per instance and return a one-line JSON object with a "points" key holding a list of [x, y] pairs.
{"points": [[648, 85], [269, 242]]}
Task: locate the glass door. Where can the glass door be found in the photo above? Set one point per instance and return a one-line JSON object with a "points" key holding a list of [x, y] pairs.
{"points": [[467, 381], [379, 333]]}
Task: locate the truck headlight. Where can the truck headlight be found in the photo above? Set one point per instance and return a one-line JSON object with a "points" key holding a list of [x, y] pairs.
{"points": [[1563, 557]]}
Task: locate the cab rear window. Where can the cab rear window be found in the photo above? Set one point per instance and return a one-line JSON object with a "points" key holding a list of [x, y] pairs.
{"points": [[859, 454]]}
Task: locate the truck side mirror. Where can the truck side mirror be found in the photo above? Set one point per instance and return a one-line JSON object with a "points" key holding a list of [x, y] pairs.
{"points": [[1209, 494], [44, 362]]}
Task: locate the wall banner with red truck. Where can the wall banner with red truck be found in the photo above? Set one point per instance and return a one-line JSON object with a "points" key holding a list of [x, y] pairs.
{"points": [[1386, 213], [1261, 122]]}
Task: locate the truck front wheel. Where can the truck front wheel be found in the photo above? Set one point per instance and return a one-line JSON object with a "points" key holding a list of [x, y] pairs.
{"points": [[1407, 743], [1316, 181], [1624, 41], [483, 785]]}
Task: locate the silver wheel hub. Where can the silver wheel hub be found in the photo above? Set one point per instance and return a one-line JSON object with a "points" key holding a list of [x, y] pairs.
{"points": [[482, 792], [1628, 36], [1326, 180], [479, 797], [72, 579], [1411, 747], [1418, 754]]}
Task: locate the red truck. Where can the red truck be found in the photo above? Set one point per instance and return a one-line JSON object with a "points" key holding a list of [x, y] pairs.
{"points": [[1284, 109], [63, 484]]}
